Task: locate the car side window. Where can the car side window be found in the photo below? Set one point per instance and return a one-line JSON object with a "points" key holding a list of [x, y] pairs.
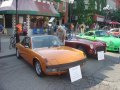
{"points": [[26, 42], [90, 34], [87, 33], [23, 42]]}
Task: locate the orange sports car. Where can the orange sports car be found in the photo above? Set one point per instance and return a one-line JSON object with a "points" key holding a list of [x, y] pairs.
{"points": [[48, 55]]}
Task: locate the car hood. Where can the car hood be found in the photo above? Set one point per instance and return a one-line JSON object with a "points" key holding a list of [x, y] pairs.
{"points": [[60, 55], [87, 42], [110, 40]]}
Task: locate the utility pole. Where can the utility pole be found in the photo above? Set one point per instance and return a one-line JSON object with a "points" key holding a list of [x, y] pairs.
{"points": [[16, 12]]}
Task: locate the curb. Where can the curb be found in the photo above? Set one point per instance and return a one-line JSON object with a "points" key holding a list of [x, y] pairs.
{"points": [[7, 56]]}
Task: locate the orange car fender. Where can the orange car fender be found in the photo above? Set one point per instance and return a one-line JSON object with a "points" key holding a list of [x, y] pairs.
{"points": [[41, 61]]}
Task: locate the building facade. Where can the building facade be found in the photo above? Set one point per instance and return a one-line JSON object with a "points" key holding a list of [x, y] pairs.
{"points": [[34, 13], [118, 4]]}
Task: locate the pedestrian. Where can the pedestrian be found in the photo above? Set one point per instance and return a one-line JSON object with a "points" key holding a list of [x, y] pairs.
{"points": [[24, 28], [71, 31], [18, 32], [17, 35], [61, 33], [87, 28], [19, 28], [82, 28], [1, 28]]}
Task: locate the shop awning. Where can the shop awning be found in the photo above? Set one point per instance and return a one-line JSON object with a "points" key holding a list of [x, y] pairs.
{"points": [[113, 22], [46, 9], [24, 7]]}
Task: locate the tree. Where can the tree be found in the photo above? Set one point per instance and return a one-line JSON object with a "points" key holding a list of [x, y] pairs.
{"points": [[115, 15]]}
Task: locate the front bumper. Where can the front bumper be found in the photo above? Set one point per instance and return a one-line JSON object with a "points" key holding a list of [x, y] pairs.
{"points": [[113, 48], [59, 69], [93, 52]]}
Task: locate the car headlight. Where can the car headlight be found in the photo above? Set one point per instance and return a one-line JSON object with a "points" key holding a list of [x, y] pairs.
{"points": [[91, 46]]}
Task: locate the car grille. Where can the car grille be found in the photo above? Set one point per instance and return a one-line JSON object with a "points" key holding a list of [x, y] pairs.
{"points": [[101, 48]]}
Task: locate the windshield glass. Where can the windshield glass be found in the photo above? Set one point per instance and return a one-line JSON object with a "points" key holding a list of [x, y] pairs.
{"points": [[100, 33], [45, 41]]}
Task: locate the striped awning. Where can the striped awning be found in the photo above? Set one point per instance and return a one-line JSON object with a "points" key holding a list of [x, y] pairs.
{"points": [[46, 9], [28, 7], [24, 7]]}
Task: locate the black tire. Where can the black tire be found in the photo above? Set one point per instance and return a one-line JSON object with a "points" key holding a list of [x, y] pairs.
{"points": [[18, 54], [38, 68]]}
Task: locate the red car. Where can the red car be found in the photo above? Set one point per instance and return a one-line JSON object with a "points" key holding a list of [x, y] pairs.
{"points": [[90, 48], [115, 32]]}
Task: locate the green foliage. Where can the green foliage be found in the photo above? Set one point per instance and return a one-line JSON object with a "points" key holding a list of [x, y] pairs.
{"points": [[115, 15], [57, 0]]}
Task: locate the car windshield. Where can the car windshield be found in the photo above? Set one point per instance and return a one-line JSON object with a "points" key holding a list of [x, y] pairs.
{"points": [[45, 41], [100, 33]]}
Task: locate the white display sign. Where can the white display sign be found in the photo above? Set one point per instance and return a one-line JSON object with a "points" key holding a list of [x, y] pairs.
{"points": [[100, 55], [75, 73]]}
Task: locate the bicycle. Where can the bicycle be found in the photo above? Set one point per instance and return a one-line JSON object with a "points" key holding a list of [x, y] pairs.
{"points": [[12, 42]]}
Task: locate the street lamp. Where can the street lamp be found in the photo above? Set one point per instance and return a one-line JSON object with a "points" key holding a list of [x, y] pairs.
{"points": [[107, 9]]}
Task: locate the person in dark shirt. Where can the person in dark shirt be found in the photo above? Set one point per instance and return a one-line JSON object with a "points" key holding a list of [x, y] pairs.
{"points": [[1, 29], [17, 35]]}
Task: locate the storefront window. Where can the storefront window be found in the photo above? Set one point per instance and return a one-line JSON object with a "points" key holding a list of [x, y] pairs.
{"points": [[38, 21], [8, 21]]}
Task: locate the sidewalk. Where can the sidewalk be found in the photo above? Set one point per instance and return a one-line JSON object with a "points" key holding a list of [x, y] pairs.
{"points": [[5, 51]]}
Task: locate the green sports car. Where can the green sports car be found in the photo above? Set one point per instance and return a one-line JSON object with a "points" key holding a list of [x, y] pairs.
{"points": [[113, 43]]}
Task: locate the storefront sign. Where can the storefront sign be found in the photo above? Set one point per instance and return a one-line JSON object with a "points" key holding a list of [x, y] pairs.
{"points": [[75, 73], [99, 18]]}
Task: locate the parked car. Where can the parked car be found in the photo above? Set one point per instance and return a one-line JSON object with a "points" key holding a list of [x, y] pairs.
{"points": [[115, 32], [48, 55], [113, 43], [89, 47]]}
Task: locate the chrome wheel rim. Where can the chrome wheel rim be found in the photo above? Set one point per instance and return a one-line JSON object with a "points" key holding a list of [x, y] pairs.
{"points": [[38, 68]]}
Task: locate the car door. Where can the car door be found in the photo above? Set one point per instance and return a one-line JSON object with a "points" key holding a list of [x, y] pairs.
{"points": [[27, 51]]}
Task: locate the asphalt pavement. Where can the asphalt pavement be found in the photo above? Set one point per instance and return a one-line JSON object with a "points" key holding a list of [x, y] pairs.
{"points": [[16, 74], [5, 51]]}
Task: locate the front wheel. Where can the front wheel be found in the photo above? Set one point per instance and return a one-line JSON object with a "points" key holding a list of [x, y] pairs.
{"points": [[38, 69]]}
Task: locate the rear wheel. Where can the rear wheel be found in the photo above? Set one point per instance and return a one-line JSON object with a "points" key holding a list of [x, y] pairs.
{"points": [[38, 69]]}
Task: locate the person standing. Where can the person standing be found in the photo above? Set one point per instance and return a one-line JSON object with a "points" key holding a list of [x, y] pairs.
{"points": [[71, 31], [18, 32], [61, 33], [82, 28], [24, 28]]}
